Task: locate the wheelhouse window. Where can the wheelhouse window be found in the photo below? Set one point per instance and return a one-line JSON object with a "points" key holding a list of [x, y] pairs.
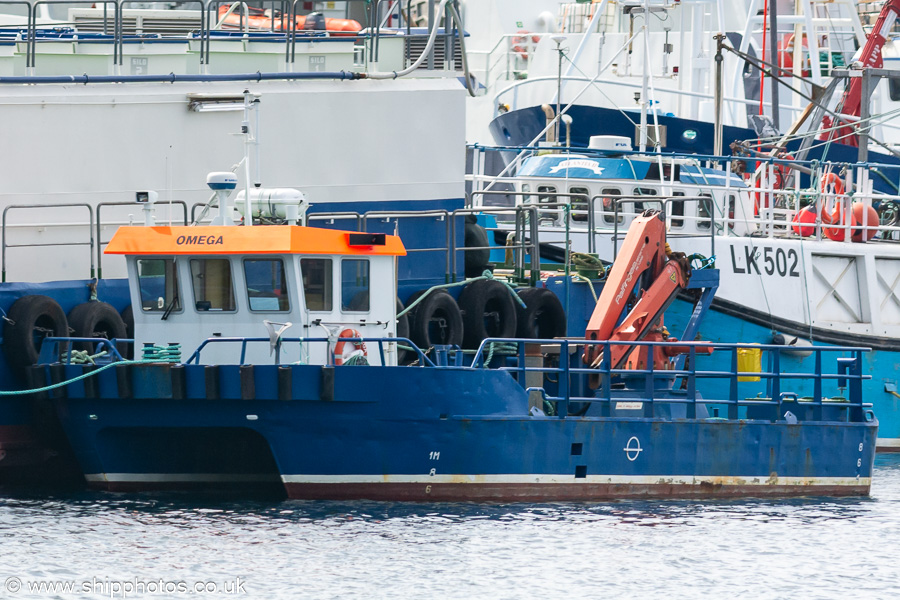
{"points": [[355, 285], [639, 206], [579, 200], [317, 283], [608, 201], [158, 281], [548, 197], [211, 281], [266, 285]]}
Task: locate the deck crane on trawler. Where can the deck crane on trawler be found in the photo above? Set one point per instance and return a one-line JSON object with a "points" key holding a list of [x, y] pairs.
{"points": [[869, 57], [645, 258]]}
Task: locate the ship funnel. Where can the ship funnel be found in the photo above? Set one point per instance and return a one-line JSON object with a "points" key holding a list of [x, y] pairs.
{"points": [[222, 183]]}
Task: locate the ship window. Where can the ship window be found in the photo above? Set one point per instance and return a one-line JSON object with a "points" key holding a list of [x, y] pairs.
{"points": [[317, 283], [703, 212], [609, 207], [579, 203], [894, 88], [545, 199], [355, 285], [266, 284], [211, 280], [159, 286], [677, 210], [638, 205]]}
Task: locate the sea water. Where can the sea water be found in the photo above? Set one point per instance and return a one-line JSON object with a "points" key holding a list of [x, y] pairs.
{"points": [[104, 545]]}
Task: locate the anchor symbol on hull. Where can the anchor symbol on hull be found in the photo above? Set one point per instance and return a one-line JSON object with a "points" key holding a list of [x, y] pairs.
{"points": [[632, 451]]}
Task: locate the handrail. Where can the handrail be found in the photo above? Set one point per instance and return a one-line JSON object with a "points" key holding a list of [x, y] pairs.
{"points": [[244, 341], [118, 47], [5, 243], [849, 374], [98, 225]]}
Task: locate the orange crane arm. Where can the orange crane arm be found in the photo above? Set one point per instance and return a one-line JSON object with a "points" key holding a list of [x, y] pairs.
{"points": [[643, 251]]}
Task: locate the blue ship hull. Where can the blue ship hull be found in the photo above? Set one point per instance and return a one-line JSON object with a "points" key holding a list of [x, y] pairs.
{"points": [[441, 433]]}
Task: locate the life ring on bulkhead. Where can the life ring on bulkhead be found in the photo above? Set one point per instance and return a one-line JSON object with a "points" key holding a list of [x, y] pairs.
{"points": [[832, 208], [356, 347], [29, 320], [523, 42], [780, 174]]}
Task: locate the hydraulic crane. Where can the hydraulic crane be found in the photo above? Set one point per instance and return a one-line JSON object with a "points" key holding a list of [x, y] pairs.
{"points": [[870, 57], [646, 259]]}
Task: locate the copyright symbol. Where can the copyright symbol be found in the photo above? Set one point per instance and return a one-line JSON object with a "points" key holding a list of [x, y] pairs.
{"points": [[13, 584]]}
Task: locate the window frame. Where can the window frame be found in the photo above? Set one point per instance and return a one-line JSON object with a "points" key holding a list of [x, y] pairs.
{"points": [[211, 310], [368, 262], [330, 271], [286, 289], [179, 306]]}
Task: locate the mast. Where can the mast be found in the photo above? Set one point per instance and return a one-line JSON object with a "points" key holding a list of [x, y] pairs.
{"points": [[645, 105]]}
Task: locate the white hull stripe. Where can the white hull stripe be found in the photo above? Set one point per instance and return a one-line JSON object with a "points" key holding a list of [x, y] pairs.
{"points": [[887, 443], [177, 477], [570, 479]]}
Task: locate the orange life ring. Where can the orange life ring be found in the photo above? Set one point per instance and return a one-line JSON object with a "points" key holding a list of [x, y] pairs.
{"points": [[520, 43], [780, 174], [833, 210], [786, 55], [358, 348]]}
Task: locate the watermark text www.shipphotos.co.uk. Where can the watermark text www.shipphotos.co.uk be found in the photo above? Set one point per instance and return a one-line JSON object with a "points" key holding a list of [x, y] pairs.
{"points": [[120, 588]]}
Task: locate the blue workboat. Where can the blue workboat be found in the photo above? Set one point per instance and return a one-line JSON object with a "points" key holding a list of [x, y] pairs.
{"points": [[322, 404]]}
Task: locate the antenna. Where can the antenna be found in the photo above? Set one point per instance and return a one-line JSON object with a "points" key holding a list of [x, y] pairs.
{"points": [[222, 183]]}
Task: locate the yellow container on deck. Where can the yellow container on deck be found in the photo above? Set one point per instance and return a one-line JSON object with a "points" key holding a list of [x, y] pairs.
{"points": [[749, 360]]}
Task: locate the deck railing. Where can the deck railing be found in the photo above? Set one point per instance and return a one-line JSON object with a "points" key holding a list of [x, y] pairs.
{"points": [[651, 383]]}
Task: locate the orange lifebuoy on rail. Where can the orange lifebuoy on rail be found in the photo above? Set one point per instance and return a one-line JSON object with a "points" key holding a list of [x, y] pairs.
{"points": [[345, 349], [520, 43], [780, 174], [833, 212]]}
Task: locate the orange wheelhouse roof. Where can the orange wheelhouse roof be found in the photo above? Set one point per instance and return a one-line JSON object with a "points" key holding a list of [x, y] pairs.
{"points": [[237, 239]]}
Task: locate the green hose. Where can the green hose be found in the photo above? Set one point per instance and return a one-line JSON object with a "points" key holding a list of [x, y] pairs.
{"points": [[152, 355]]}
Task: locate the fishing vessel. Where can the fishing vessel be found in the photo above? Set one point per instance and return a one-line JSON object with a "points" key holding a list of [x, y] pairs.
{"points": [[332, 415]]}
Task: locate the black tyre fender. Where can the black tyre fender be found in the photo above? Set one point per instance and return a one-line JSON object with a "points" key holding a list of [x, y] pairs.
{"points": [[402, 332], [435, 320], [476, 260], [489, 310], [128, 318], [543, 316], [30, 319], [96, 320]]}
